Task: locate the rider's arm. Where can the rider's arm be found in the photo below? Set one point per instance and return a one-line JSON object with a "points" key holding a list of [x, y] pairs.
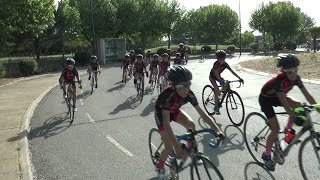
{"points": [[234, 73], [208, 119], [308, 96], [167, 128], [284, 102]]}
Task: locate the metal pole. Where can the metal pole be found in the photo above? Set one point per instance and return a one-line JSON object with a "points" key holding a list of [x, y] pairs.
{"points": [[93, 31], [62, 31], [240, 29]]}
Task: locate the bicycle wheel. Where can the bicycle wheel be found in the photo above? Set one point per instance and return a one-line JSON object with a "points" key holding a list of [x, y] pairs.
{"points": [[141, 90], [256, 131], [125, 76], [235, 108], [204, 170], [155, 145], [310, 165], [72, 111], [208, 99]]}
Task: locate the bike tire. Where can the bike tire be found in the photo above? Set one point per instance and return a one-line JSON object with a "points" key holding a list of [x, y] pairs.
{"points": [[302, 147], [152, 147], [72, 112], [216, 174], [256, 138], [208, 99], [230, 98]]}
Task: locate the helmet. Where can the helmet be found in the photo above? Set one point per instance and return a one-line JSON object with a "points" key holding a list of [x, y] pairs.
{"points": [[70, 61], [220, 54], [168, 49], [178, 54], [155, 56], [127, 56], [178, 74], [149, 51], [93, 57], [139, 56], [181, 44], [132, 51], [165, 55], [287, 61]]}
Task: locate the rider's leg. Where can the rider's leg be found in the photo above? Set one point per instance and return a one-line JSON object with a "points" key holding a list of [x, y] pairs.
{"points": [[64, 89], [185, 120], [151, 73], [135, 77], [216, 94], [89, 72], [293, 104], [74, 96], [96, 76]]}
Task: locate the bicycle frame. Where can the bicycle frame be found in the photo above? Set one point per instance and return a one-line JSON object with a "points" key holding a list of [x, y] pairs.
{"points": [[227, 91]]}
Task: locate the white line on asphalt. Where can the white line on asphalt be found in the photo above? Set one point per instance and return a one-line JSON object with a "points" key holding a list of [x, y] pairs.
{"points": [[119, 146], [90, 118], [81, 102]]}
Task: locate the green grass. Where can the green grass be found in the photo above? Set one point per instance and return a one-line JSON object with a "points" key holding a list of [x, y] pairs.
{"points": [[15, 58], [309, 65], [175, 47]]}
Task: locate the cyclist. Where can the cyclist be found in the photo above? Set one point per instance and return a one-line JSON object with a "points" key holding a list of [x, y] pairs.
{"points": [[154, 67], [215, 75], [68, 75], [183, 52], [274, 93], [168, 108], [169, 53], [95, 67], [125, 65], [132, 57], [148, 56], [163, 65], [178, 60], [139, 66]]}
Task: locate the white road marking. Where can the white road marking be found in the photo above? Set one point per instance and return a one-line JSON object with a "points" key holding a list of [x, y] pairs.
{"points": [[119, 146], [81, 102], [90, 118]]}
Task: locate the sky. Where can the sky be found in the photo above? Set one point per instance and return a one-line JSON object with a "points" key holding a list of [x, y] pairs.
{"points": [[310, 7]]}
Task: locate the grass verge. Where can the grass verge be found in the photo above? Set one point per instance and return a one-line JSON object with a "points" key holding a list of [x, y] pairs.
{"points": [[309, 65]]}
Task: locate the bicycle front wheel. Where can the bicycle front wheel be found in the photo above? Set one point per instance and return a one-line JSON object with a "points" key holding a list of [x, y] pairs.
{"points": [[208, 99], [204, 170], [256, 132], [155, 145], [235, 108], [309, 157]]}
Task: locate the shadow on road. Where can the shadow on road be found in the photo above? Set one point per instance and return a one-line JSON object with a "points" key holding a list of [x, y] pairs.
{"points": [[253, 170], [84, 95], [150, 108], [149, 90], [131, 103], [234, 141], [52, 126], [118, 87]]}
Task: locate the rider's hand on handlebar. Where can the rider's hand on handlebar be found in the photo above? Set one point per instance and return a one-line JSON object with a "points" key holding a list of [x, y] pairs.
{"points": [[241, 81], [179, 150]]}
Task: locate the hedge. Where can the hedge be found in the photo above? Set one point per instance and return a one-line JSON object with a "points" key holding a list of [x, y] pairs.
{"points": [[27, 67]]}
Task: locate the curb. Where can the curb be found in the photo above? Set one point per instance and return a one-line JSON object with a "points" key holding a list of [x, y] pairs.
{"points": [[24, 153], [271, 75]]}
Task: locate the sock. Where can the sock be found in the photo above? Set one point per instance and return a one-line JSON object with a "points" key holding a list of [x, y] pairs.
{"points": [[267, 152], [160, 164]]}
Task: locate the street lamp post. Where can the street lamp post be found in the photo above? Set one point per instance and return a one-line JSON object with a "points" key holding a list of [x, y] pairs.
{"points": [[93, 30]]}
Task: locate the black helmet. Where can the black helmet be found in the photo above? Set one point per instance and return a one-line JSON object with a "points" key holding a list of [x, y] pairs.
{"points": [[139, 56], [165, 55], [287, 61], [178, 54], [155, 56], [220, 54], [168, 49], [127, 56], [178, 74], [70, 61], [93, 57]]}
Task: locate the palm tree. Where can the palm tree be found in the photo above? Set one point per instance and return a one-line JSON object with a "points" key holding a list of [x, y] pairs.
{"points": [[315, 33]]}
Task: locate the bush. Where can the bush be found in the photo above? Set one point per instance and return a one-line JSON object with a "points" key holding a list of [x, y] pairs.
{"points": [[206, 49], [27, 67], [277, 46], [254, 47], [160, 51], [231, 49], [2, 69], [291, 45], [82, 58]]}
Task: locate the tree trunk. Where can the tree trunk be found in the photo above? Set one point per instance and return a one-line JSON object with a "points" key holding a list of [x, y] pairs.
{"points": [[37, 50], [314, 44], [169, 40]]}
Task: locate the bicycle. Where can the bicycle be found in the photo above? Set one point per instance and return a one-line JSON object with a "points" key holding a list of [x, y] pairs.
{"points": [[208, 98], [93, 79], [176, 165], [256, 140], [140, 86], [153, 78], [71, 104], [125, 73], [161, 84]]}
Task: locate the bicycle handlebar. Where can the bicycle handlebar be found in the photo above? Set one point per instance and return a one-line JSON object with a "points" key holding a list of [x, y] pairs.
{"points": [[307, 107], [240, 83], [191, 133]]}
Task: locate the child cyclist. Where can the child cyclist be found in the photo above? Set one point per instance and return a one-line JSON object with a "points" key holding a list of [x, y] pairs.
{"points": [[139, 66], [94, 67], [154, 67], [274, 93], [67, 76], [163, 65], [168, 108], [215, 75], [125, 66]]}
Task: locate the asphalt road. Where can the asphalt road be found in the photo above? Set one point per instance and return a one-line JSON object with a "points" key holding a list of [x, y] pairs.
{"points": [[108, 139]]}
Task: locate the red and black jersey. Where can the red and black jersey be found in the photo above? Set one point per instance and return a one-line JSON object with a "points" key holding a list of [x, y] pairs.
{"points": [[132, 58], [139, 66], [154, 63], [69, 75], [171, 101], [218, 67], [182, 52], [94, 65], [177, 61], [280, 83], [163, 66], [125, 62]]}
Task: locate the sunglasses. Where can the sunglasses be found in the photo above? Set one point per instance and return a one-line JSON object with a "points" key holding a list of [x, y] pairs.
{"points": [[185, 85], [291, 71]]}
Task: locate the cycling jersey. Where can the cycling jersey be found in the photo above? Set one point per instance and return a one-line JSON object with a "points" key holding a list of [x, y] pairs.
{"points": [[280, 83], [125, 62], [182, 52], [171, 101], [132, 58], [154, 64], [94, 65], [139, 66], [218, 67], [177, 61], [69, 75], [163, 66]]}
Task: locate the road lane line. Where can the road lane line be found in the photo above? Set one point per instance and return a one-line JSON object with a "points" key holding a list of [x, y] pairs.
{"points": [[119, 146], [90, 118]]}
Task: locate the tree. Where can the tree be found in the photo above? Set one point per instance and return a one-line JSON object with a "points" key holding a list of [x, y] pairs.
{"points": [[306, 23], [247, 38], [315, 33]]}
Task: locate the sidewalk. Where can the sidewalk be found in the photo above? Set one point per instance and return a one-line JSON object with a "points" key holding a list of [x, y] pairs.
{"points": [[17, 103]]}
